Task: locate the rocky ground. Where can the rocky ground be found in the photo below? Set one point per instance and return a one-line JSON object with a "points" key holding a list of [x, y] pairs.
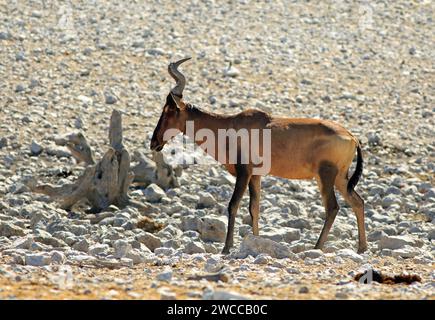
{"points": [[64, 66]]}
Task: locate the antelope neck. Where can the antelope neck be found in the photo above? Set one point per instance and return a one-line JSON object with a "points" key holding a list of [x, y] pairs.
{"points": [[203, 119]]}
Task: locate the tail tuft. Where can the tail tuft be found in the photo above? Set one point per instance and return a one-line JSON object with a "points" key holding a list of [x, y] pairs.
{"points": [[358, 171]]}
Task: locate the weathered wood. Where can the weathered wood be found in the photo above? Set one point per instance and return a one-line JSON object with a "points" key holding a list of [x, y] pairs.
{"points": [[125, 178], [166, 175], [81, 189], [157, 171], [148, 171], [115, 131], [78, 146], [107, 182], [50, 190], [102, 184], [145, 169]]}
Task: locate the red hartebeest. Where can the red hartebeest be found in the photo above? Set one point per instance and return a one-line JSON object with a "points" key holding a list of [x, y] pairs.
{"points": [[300, 149]]}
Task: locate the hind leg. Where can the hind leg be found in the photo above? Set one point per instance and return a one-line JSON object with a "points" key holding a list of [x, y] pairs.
{"points": [[326, 180], [243, 177], [254, 202], [357, 204]]}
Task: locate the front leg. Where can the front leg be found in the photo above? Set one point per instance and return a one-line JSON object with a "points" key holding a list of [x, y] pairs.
{"points": [[254, 202], [243, 176]]}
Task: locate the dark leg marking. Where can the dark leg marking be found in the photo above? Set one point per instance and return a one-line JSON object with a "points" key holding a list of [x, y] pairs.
{"points": [[254, 202], [243, 177], [327, 175]]}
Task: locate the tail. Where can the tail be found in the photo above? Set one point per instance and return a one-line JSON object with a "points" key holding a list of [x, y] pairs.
{"points": [[358, 170]]}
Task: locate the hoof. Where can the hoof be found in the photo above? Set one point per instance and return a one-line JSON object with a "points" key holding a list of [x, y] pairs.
{"points": [[362, 249], [225, 251], [318, 247]]}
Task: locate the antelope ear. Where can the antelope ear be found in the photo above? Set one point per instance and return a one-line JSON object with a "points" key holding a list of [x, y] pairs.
{"points": [[171, 101], [177, 100]]}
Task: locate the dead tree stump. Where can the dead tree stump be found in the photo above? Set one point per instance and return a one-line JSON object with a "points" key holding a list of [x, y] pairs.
{"points": [[157, 171], [78, 146], [102, 184]]}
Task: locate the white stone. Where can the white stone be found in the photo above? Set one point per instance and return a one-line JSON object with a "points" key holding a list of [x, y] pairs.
{"points": [[122, 248], [213, 265], [350, 254], [397, 242], [165, 275], [166, 294], [194, 247], [58, 257], [136, 255], [206, 200], [35, 148], [406, 252], [164, 251], [82, 245], [98, 248], [151, 241], [213, 229], [8, 229], [110, 98], [262, 259], [231, 72], [191, 222], [153, 193], [255, 245], [284, 234], [37, 259], [313, 254]]}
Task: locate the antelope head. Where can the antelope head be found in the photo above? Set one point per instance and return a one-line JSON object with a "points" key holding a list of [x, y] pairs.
{"points": [[173, 118]]}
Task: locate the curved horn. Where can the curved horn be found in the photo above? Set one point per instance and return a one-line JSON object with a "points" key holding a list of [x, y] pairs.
{"points": [[178, 77]]}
